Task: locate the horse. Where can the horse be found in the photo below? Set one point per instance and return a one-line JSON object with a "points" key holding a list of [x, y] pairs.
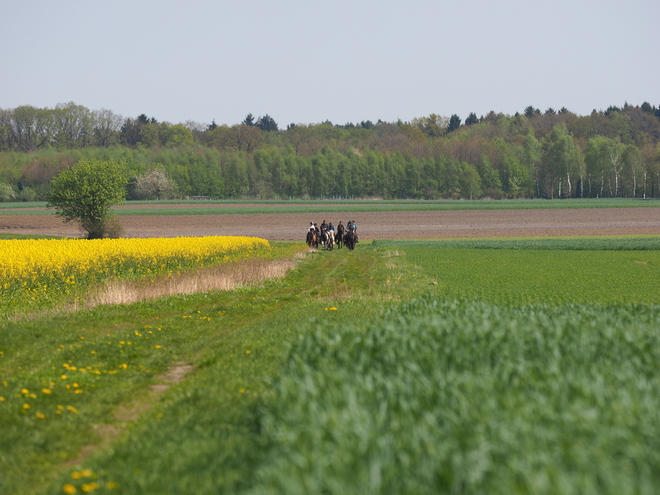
{"points": [[349, 239], [339, 238], [311, 239], [329, 240]]}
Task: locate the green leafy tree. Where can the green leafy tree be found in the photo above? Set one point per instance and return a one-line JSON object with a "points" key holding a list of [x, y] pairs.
{"points": [[85, 193], [560, 161], [6, 192]]}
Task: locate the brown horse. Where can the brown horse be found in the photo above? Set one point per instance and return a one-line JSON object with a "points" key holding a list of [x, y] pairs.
{"points": [[339, 238], [311, 240], [349, 239]]}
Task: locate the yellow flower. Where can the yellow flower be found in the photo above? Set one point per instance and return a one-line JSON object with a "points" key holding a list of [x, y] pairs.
{"points": [[46, 390], [40, 416], [26, 406], [85, 473], [90, 487], [69, 489], [241, 390], [25, 391], [63, 377], [72, 409], [2, 398]]}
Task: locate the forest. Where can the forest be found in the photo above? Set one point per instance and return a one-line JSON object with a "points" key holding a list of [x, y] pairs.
{"points": [[547, 154]]}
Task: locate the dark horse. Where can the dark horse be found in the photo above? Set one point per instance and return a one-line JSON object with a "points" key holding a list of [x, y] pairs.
{"points": [[311, 239], [339, 239], [349, 239]]}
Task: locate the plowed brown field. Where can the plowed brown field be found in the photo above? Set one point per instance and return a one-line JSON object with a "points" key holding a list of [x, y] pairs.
{"points": [[376, 225]]}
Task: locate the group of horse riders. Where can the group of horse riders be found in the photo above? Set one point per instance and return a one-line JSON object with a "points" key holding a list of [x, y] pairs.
{"points": [[327, 235]]}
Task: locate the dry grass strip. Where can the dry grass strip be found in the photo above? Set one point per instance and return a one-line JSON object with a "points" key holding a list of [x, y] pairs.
{"points": [[227, 276]]}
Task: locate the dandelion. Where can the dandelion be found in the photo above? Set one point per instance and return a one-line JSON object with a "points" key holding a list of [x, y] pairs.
{"points": [[2, 399], [40, 416], [46, 391], [248, 351], [63, 377], [69, 489], [90, 487], [241, 390], [72, 409], [26, 406], [25, 391]]}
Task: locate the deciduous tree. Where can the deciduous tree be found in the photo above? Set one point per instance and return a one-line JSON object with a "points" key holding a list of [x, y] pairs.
{"points": [[85, 193]]}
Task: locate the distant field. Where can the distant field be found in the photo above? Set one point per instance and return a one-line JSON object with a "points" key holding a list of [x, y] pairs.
{"points": [[225, 207]]}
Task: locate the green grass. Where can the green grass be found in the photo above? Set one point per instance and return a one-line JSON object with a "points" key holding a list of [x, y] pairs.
{"points": [[549, 276], [354, 375], [346, 206], [591, 243]]}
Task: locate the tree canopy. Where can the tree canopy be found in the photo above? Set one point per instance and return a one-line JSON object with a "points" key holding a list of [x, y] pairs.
{"points": [[533, 154]]}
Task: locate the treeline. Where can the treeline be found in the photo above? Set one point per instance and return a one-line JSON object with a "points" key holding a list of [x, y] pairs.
{"points": [[533, 154]]}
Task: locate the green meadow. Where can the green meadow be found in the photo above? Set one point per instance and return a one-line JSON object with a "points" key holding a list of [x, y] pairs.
{"points": [[489, 366]]}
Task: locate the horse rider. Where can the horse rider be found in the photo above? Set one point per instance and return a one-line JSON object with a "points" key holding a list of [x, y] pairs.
{"points": [[324, 226], [311, 227], [331, 227], [355, 230], [340, 227]]}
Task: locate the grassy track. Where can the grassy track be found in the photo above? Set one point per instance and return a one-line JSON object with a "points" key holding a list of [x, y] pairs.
{"points": [[324, 382], [329, 206]]}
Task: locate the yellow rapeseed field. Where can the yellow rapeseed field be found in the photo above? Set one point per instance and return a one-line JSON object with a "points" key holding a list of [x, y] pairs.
{"points": [[34, 269]]}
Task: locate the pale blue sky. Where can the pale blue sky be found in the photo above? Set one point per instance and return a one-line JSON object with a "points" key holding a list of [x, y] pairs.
{"points": [[305, 61]]}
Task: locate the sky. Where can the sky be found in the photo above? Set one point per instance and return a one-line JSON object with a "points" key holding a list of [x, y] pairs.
{"points": [[308, 61]]}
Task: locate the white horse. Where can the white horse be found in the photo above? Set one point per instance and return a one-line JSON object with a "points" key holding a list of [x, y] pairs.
{"points": [[330, 240]]}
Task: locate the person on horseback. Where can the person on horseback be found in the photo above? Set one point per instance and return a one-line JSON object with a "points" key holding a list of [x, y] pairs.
{"points": [[324, 226], [311, 227], [355, 230], [331, 227]]}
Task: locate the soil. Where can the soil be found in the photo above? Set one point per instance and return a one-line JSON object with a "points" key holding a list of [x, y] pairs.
{"points": [[375, 225]]}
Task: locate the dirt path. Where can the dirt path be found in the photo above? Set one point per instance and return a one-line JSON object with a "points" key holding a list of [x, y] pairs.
{"points": [[375, 225]]}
